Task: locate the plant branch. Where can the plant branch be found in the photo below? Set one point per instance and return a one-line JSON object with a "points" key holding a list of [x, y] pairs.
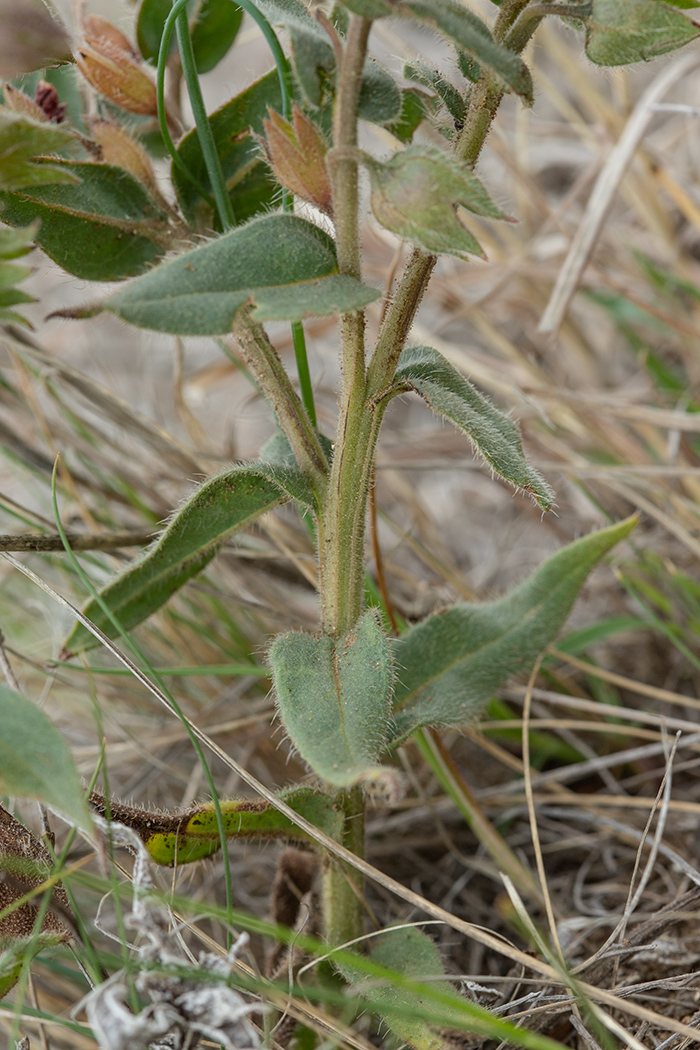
{"points": [[90, 541], [265, 364]]}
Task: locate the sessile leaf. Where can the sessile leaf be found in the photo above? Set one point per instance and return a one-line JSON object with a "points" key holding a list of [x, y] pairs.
{"points": [[450, 664], [334, 697]]}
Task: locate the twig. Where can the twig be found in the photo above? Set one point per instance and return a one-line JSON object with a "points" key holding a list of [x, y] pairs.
{"points": [[79, 541]]}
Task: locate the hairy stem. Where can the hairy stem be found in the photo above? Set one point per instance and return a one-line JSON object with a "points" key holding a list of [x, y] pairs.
{"points": [[342, 523], [342, 884], [265, 364]]}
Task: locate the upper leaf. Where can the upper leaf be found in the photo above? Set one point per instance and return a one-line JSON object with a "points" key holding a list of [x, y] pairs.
{"points": [[623, 31], [249, 185], [99, 223], [334, 697], [451, 663], [463, 28], [493, 435], [22, 140], [35, 761], [416, 193], [224, 504], [284, 264]]}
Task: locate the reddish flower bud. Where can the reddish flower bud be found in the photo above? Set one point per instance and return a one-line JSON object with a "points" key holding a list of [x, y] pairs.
{"points": [[107, 60], [117, 147], [46, 98], [297, 156]]}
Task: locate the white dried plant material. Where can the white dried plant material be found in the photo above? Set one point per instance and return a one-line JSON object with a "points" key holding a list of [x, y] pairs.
{"points": [[183, 1008]]}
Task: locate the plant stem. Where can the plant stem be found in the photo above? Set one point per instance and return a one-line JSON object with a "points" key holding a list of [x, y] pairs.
{"points": [[343, 884], [265, 364], [342, 523]]}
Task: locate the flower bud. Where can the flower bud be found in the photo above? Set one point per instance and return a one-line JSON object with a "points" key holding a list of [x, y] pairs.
{"points": [[107, 60], [117, 147], [297, 156], [18, 102], [46, 98]]}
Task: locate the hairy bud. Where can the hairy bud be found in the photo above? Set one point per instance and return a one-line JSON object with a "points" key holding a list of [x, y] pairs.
{"points": [[297, 155], [117, 147], [107, 60]]}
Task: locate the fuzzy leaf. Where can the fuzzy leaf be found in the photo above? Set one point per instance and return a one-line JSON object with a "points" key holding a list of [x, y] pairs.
{"points": [[22, 140], [415, 107], [446, 91], [213, 30], [35, 761], [181, 838], [335, 698], [415, 194], [451, 663], [463, 28], [102, 225], [411, 953], [622, 31], [14, 243], [403, 980], [285, 264], [248, 181], [224, 504], [493, 435]]}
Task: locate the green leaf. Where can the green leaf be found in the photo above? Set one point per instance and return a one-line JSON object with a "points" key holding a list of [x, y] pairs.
{"points": [[415, 194], [213, 29], [623, 31], [183, 837], [404, 981], [14, 243], [451, 663], [248, 180], [409, 952], [35, 761], [685, 4], [493, 435], [463, 28], [334, 697], [433, 78], [102, 225], [22, 141], [285, 264], [224, 504], [415, 107]]}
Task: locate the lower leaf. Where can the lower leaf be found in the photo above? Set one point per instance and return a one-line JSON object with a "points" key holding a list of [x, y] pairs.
{"points": [[334, 697], [451, 663]]}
